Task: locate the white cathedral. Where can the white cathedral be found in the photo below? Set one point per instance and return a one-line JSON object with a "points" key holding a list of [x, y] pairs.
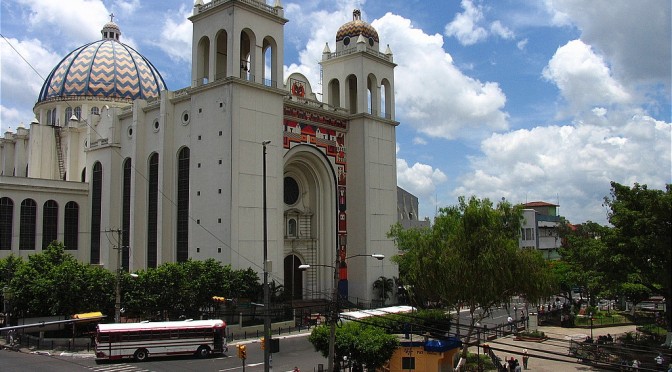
{"points": [[114, 159]]}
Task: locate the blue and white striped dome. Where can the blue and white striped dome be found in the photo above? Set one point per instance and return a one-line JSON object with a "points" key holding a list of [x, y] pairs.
{"points": [[106, 68]]}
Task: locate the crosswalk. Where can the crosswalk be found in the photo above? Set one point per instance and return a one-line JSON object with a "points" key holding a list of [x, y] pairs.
{"points": [[123, 367]]}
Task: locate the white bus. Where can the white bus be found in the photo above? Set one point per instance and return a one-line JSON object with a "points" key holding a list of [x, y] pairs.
{"points": [[141, 340]]}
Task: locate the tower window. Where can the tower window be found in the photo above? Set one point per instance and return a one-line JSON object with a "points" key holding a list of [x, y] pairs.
{"points": [[291, 228]]}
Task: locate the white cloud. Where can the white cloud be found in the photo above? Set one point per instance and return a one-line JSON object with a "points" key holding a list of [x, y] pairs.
{"points": [[465, 25], [522, 44], [420, 180], [583, 78], [419, 141], [79, 22], [19, 78], [445, 103], [574, 163], [634, 35], [500, 30], [176, 36]]}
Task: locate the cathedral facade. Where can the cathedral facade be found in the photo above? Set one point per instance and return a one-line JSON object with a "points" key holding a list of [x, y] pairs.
{"points": [[128, 174]]}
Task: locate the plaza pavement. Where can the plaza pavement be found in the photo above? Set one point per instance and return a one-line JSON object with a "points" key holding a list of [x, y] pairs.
{"points": [[552, 355]]}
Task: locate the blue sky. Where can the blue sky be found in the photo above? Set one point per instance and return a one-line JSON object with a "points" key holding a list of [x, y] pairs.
{"points": [[527, 100]]}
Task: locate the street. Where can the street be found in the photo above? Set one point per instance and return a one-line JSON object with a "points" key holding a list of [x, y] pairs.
{"points": [[295, 350]]}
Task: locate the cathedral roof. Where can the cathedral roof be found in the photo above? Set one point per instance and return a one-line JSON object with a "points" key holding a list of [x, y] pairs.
{"points": [[357, 27], [105, 68]]}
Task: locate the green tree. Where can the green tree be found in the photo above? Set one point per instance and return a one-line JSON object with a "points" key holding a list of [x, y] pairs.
{"points": [[53, 282], [470, 258], [641, 244], [362, 344], [384, 287]]}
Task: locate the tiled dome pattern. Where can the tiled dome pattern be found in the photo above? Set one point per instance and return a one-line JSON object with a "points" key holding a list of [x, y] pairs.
{"points": [[355, 28], [105, 68]]}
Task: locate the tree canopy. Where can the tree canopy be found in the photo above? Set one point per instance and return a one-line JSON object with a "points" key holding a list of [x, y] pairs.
{"points": [[470, 258]]}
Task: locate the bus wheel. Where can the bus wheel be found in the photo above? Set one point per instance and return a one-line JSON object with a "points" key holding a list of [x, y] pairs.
{"points": [[140, 355], [203, 352]]}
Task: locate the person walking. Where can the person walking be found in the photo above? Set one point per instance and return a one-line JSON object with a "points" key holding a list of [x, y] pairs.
{"points": [[525, 358]]}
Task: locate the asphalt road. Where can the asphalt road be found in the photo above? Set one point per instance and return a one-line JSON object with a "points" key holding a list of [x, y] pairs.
{"points": [[295, 350]]}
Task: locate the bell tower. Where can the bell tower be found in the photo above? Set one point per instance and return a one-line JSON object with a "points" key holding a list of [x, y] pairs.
{"points": [[358, 78], [237, 38]]}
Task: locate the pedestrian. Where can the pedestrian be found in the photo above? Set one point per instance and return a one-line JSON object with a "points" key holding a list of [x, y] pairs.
{"points": [[517, 367], [635, 365], [525, 358], [510, 320], [296, 369], [659, 361]]}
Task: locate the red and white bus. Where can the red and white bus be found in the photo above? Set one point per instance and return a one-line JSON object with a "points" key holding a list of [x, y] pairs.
{"points": [[141, 340]]}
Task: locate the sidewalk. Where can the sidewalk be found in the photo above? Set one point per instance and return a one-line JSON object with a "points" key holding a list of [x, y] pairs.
{"points": [[553, 354]]}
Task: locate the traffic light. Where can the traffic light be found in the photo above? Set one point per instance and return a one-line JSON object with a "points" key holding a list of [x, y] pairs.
{"points": [[218, 299], [243, 352], [263, 343]]}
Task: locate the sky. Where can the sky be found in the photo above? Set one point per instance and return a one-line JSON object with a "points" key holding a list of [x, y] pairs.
{"points": [[527, 100]]}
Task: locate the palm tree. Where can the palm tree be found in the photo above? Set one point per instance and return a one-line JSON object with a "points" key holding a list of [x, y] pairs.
{"points": [[384, 287]]}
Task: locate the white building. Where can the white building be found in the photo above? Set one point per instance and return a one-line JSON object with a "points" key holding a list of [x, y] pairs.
{"points": [[540, 228], [176, 175]]}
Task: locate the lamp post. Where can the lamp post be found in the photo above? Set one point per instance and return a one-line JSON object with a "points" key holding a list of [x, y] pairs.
{"points": [[334, 306], [267, 295], [591, 325]]}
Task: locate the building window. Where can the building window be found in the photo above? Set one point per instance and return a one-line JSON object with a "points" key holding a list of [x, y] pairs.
{"points": [[291, 191], [126, 213], [291, 228], [6, 219], [49, 223], [96, 211], [53, 117], [153, 210], [78, 112], [95, 110], [71, 226], [182, 253], [407, 363], [28, 224], [68, 114], [527, 233]]}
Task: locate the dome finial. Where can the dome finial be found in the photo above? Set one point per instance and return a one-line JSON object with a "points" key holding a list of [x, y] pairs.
{"points": [[356, 15], [111, 30]]}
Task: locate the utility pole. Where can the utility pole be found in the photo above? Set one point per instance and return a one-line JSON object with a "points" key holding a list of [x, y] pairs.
{"points": [[117, 301], [267, 294]]}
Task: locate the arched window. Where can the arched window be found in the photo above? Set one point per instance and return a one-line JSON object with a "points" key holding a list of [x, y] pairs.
{"points": [[95, 110], [48, 117], [291, 228], [96, 211], [28, 224], [84, 174], [53, 117], [49, 223], [78, 112], [153, 210], [126, 214], [182, 238], [6, 223], [68, 115], [71, 226]]}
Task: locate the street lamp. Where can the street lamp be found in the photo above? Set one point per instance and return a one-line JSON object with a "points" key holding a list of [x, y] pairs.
{"points": [[267, 295], [334, 308], [591, 325]]}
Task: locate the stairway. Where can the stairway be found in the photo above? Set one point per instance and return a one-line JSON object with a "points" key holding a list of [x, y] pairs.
{"points": [[59, 153]]}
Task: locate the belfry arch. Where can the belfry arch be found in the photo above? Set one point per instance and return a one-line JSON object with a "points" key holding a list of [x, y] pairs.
{"points": [[309, 199]]}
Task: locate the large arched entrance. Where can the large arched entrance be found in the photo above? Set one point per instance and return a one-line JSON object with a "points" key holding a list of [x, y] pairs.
{"points": [[310, 212]]}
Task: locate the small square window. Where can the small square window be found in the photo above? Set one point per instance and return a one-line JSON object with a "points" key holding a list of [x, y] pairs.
{"points": [[200, 110], [199, 165], [220, 132], [220, 191], [220, 161], [198, 222], [219, 220], [198, 249], [199, 138], [221, 104], [219, 249], [198, 193], [407, 363]]}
